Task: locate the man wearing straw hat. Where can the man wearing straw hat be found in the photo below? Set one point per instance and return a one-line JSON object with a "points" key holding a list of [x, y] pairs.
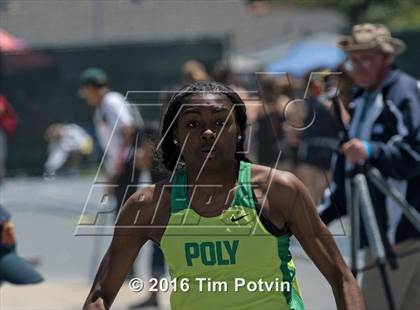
{"points": [[384, 132]]}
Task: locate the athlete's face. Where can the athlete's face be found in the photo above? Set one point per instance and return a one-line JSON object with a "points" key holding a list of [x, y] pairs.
{"points": [[207, 130]]}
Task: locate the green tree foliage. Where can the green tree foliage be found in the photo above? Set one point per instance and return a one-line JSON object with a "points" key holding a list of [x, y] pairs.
{"points": [[397, 14]]}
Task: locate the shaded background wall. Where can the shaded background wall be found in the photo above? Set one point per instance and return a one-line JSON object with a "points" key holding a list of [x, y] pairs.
{"points": [[409, 60]]}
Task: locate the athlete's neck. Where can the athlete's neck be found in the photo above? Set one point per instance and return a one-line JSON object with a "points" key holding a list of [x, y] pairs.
{"points": [[227, 174], [213, 186]]}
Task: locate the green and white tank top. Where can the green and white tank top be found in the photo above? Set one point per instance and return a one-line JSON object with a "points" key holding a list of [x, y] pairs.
{"points": [[229, 261]]}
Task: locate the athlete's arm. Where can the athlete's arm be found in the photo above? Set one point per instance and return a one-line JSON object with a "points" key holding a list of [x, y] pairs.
{"points": [[128, 238], [315, 238]]}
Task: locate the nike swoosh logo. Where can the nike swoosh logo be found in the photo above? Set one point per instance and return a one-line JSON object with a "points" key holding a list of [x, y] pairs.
{"points": [[238, 218]]}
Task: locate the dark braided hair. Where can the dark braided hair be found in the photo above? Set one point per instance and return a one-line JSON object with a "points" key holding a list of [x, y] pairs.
{"points": [[169, 151]]}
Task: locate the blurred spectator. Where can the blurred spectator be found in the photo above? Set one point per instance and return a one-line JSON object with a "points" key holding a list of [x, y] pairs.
{"points": [[8, 125], [339, 84], [13, 268], [342, 85], [273, 134], [318, 140], [146, 156], [66, 144], [117, 125], [384, 132], [193, 71], [224, 75]]}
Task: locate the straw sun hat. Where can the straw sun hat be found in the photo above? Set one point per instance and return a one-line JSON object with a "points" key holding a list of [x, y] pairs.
{"points": [[371, 36]]}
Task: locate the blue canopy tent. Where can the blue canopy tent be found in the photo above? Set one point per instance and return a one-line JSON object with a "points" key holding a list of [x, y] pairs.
{"points": [[305, 56]]}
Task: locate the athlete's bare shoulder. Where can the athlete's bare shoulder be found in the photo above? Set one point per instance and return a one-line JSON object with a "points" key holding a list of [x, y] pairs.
{"points": [[282, 189], [145, 205], [287, 197], [270, 179]]}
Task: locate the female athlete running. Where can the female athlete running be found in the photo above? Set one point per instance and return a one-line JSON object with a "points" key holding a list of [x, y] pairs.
{"points": [[221, 219]]}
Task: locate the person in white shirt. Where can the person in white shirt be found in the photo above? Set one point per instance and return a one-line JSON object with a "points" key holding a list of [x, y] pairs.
{"points": [[117, 126], [64, 141]]}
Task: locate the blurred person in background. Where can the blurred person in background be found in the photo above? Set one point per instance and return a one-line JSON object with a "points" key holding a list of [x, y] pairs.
{"points": [[274, 132], [8, 126], [224, 75], [67, 143], [384, 132], [340, 83], [318, 139], [13, 268], [112, 110], [194, 71]]}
